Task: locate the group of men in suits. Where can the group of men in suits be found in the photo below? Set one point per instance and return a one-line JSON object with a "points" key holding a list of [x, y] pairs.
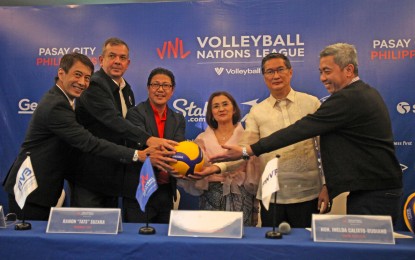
{"points": [[357, 149], [87, 145]]}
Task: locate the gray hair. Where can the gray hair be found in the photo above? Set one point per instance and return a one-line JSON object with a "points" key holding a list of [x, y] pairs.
{"points": [[113, 41], [343, 53]]}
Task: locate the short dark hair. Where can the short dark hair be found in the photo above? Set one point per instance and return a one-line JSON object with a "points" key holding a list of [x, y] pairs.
{"points": [[68, 60], [275, 55], [163, 71], [113, 41], [210, 120]]}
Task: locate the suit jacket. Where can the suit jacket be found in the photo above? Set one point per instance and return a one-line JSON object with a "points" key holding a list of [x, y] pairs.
{"points": [[356, 139], [99, 110], [53, 132], [142, 115]]}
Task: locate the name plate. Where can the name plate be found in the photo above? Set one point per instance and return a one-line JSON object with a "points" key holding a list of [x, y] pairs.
{"points": [[84, 221], [353, 229], [201, 223], [2, 219]]}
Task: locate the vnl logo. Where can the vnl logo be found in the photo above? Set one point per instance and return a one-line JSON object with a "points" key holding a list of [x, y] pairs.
{"points": [[172, 50], [404, 108]]}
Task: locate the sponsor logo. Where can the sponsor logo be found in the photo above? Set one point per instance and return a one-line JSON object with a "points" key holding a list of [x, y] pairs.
{"points": [[190, 110], [242, 48], [402, 143], [51, 56], [26, 106], [219, 70], [216, 48], [24, 178], [392, 49], [173, 50], [403, 167], [196, 114], [405, 108], [249, 103], [237, 71]]}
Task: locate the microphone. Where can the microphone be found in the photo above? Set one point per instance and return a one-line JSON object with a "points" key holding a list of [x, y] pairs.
{"points": [[284, 228]]}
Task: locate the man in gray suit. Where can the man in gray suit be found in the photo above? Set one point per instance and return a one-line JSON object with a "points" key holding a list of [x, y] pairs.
{"points": [[53, 132]]}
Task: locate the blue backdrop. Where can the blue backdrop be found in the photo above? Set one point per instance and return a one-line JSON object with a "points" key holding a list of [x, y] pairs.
{"points": [[210, 46]]}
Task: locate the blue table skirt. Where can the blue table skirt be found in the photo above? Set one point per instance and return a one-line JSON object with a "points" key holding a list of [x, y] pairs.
{"points": [[37, 244]]}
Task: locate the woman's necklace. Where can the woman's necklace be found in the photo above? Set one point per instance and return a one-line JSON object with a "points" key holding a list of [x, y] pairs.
{"points": [[223, 137]]}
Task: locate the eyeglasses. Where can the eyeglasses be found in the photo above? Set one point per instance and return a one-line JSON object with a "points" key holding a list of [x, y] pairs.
{"points": [[164, 86], [271, 72]]}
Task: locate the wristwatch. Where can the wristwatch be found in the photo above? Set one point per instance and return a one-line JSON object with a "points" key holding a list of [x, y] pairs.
{"points": [[135, 157], [245, 155]]}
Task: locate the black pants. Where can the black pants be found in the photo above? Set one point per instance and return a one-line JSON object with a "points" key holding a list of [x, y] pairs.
{"points": [[84, 198], [158, 207], [375, 202], [298, 215], [31, 211]]}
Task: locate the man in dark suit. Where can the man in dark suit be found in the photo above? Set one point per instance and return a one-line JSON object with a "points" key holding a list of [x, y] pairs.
{"points": [[101, 109], [53, 131], [159, 120]]}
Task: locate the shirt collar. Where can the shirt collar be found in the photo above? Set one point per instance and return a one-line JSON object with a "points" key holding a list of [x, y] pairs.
{"points": [[354, 80], [290, 98], [155, 111], [122, 85], [71, 101]]}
